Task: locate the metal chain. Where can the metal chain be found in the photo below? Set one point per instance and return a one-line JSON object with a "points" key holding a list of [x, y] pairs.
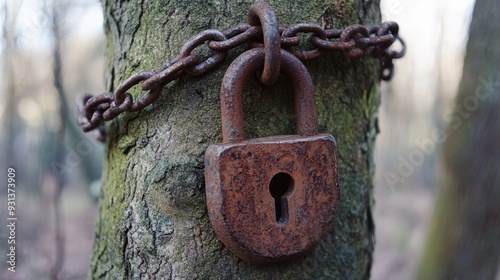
{"points": [[353, 41]]}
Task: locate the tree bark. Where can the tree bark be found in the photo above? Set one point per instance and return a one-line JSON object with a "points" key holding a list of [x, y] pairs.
{"points": [[464, 239], [153, 220]]}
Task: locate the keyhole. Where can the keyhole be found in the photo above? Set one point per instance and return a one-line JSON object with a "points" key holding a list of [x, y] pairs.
{"points": [[281, 185]]}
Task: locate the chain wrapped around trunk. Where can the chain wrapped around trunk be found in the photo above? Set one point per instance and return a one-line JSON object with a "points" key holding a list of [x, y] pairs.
{"points": [[353, 41]]}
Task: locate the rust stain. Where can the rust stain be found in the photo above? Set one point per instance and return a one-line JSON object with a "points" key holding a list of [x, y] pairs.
{"points": [[271, 199]]}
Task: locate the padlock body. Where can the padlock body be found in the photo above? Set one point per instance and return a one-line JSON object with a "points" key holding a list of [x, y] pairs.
{"points": [[242, 209]]}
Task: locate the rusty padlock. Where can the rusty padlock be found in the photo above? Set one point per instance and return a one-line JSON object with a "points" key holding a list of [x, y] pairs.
{"points": [[270, 199]]}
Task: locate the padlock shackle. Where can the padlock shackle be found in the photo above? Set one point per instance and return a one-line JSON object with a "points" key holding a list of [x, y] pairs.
{"points": [[231, 95]]}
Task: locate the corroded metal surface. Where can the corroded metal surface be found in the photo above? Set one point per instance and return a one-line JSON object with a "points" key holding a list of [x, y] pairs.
{"points": [[231, 98], [242, 209], [353, 41], [271, 199], [261, 13]]}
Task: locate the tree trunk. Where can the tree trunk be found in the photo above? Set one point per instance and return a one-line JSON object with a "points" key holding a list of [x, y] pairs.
{"points": [[464, 239], [9, 78], [153, 220]]}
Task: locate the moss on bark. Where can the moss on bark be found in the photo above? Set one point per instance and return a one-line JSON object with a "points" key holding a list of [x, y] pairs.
{"points": [[153, 221]]}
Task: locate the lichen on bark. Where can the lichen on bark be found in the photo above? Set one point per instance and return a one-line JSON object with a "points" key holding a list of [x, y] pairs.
{"points": [[153, 221]]}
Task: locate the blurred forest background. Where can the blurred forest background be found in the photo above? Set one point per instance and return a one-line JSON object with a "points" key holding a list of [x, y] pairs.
{"points": [[54, 50]]}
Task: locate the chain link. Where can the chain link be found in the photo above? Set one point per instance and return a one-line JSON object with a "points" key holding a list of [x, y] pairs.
{"points": [[353, 41]]}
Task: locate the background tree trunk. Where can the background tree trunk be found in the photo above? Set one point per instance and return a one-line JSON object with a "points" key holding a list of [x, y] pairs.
{"points": [[464, 240], [153, 220], [9, 118]]}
